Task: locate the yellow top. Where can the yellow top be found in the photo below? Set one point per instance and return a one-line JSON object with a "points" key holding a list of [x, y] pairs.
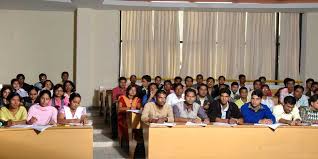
{"points": [[6, 115]]}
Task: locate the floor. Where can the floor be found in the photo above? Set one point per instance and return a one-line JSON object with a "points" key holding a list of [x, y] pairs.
{"points": [[104, 146]]}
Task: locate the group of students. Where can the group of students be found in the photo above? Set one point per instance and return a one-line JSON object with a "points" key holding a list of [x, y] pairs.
{"points": [[42, 103], [205, 102]]}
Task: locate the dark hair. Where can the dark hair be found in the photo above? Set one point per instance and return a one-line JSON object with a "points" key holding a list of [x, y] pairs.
{"points": [[221, 77], [211, 78], [14, 80], [199, 75], [161, 92], [265, 85], [178, 78], [5, 88], [262, 77], [202, 85], [234, 84], [20, 75], [256, 81], [42, 74], [157, 77], [167, 81], [13, 94], [33, 88], [133, 76], [241, 76], [63, 73], [74, 95], [122, 78], [286, 80], [314, 83], [45, 92], [72, 84], [129, 88], [177, 85], [146, 77], [50, 82], [290, 100], [225, 90], [151, 84], [258, 93], [313, 98], [190, 90], [56, 87], [310, 80], [242, 88], [299, 87], [188, 77]]}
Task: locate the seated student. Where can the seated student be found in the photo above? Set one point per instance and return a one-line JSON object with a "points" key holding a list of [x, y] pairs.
{"points": [[5, 91], [16, 88], [243, 97], [167, 86], [177, 80], [48, 85], [301, 99], [257, 85], [14, 113], [32, 99], [225, 111], [133, 80], [289, 84], [310, 114], [42, 113], [199, 79], [69, 88], [309, 82], [22, 83], [64, 77], [221, 80], [58, 100], [287, 113], [202, 98], [73, 113], [158, 82], [158, 111], [234, 91], [242, 80], [314, 86], [143, 89], [263, 80], [265, 99], [255, 112], [188, 82], [150, 96], [126, 102], [189, 111], [177, 96], [120, 89], [42, 78], [210, 81]]}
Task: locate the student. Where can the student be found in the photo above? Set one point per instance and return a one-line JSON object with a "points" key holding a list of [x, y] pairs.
{"points": [[265, 99], [309, 82], [22, 83], [257, 85], [143, 89], [255, 112], [150, 96], [189, 111], [301, 99], [243, 97], [58, 100], [287, 113], [126, 102], [158, 82], [120, 89], [69, 88], [225, 111], [234, 91], [42, 113], [177, 96], [42, 78], [64, 77], [242, 80], [202, 98], [263, 80], [158, 111], [210, 81], [133, 80], [4, 93], [199, 79], [167, 86], [32, 99], [221, 80], [177, 80], [314, 86], [310, 114], [13, 114], [73, 113], [289, 83], [16, 88], [189, 82], [48, 85]]}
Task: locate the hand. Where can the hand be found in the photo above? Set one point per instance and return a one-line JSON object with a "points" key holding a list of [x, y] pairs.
{"points": [[33, 120], [10, 123], [206, 121], [153, 120], [206, 106], [152, 94], [84, 119], [233, 121], [266, 121], [295, 123], [197, 120], [161, 120]]}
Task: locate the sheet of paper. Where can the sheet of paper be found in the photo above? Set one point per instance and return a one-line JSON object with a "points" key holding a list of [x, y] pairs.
{"points": [[195, 124], [224, 124], [134, 111], [272, 126], [163, 124], [41, 128], [21, 126]]}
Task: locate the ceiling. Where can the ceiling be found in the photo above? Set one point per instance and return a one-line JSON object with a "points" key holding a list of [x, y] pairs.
{"points": [[71, 5]]}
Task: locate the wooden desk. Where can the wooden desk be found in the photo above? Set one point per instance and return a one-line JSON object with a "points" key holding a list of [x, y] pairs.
{"points": [[246, 142], [54, 143], [133, 122]]}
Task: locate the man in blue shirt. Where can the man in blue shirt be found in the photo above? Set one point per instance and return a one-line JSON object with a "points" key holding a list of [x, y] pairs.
{"points": [[255, 112]]}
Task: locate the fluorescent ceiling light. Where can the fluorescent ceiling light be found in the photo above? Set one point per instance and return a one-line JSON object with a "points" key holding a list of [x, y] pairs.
{"points": [[215, 2], [170, 1], [64, 1]]}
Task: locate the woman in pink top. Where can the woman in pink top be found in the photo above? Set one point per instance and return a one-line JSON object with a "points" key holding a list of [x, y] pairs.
{"points": [[42, 113], [69, 88], [58, 100]]}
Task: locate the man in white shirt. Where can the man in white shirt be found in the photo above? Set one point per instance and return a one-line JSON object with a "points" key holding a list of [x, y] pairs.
{"points": [[287, 113], [177, 96], [301, 99]]}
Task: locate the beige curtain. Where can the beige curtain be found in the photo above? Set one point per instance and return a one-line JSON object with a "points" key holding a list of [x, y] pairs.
{"points": [[260, 46], [199, 43], [150, 43], [288, 58]]}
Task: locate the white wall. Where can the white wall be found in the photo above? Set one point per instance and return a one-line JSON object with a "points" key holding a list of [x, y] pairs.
{"points": [[309, 57], [32, 42], [97, 57]]}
